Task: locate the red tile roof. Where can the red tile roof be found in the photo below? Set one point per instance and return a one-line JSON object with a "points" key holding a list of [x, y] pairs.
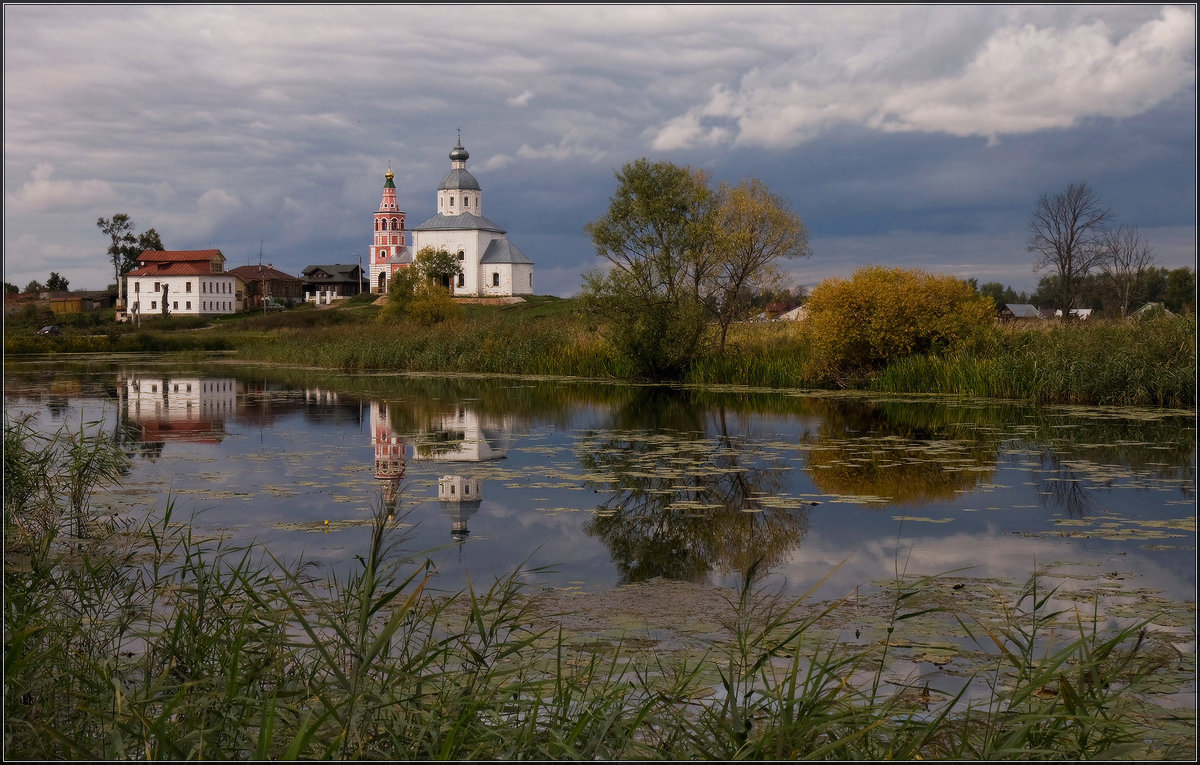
{"points": [[175, 269], [177, 262], [157, 256]]}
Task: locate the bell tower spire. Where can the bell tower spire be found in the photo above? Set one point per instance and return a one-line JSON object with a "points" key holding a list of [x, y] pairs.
{"points": [[389, 235]]}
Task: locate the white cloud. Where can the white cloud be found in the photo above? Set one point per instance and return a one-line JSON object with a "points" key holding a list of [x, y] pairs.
{"points": [[1024, 78], [520, 100], [41, 193]]}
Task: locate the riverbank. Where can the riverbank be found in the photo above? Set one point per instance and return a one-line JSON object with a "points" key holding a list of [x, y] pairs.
{"points": [[1147, 363]]}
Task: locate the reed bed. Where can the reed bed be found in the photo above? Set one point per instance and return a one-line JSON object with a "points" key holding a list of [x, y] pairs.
{"points": [[143, 642], [1150, 363]]}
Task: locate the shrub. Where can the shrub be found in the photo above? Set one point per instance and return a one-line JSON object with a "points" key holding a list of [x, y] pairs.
{"points": [[882, 314]]}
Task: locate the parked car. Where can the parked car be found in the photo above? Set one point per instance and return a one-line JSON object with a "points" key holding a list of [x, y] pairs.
{"points": [[273, 306], [50, 329]]}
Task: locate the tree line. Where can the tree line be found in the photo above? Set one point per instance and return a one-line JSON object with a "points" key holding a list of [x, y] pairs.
{"points": [[1084, 256], [1175, 288]]}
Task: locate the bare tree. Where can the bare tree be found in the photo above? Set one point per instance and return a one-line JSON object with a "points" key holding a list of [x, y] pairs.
{"points": [[1067, 240], [1126, 258]]}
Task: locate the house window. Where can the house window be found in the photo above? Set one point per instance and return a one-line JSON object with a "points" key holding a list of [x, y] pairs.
{"points": [[187, 287], [157, 287], [153, 304], [461, 280], [137, 286], [189, 305], [175, 305], [495, 280]]}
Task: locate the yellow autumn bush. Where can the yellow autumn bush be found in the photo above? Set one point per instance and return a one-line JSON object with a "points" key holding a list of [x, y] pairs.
{"points": [[881, 314]]}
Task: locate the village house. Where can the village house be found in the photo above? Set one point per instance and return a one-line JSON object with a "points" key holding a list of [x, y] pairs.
{"points": [[1018, 312], [324, 284], [267, 284], [491, 265], [183, 282]]}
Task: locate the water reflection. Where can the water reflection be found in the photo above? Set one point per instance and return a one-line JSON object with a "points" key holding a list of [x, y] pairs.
{"points": [[683, 501], [460, 497], [462, 435], [626, 483], [154, 408], [897, 456]]}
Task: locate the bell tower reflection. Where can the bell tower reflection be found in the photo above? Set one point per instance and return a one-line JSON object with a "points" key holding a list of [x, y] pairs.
{"points": [[390, 461], [460, 498]]}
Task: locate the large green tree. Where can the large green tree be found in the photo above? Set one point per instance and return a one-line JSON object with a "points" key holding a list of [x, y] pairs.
{"points": [[683, 257], [656, 237]]}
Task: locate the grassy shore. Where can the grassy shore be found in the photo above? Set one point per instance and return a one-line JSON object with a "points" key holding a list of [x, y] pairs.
{"points": [[144, 642], [1149, 363]]}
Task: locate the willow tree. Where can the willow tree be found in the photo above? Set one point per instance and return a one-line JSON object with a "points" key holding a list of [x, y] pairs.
{"points": [[656, 238], [684, 258]]}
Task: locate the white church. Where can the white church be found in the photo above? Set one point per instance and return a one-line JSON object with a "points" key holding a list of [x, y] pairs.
{"points": [[491, 265]]}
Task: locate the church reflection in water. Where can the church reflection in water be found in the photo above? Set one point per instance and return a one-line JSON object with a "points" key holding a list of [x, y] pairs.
{"points": [[452, 437], [156, 407]]}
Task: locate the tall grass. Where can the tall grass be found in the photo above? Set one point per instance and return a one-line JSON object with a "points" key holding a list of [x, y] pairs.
{"points": [[147, 643], [1150, 363]]}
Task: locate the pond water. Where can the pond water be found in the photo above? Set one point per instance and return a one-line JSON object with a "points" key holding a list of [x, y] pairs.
{"points": [[609, 484]]}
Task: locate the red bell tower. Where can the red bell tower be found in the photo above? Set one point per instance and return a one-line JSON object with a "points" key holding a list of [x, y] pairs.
{"points": [[389, 239]]}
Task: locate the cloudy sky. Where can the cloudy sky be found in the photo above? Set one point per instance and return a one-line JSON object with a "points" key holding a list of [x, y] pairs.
{"points": [[917, 136]]}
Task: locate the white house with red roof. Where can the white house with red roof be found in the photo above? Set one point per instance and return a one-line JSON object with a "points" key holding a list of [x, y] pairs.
{"points": [[182, 282]]}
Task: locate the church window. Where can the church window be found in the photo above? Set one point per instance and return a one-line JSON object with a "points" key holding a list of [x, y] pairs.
{"points": [[461, 280], [462, 255], [495, 280]]}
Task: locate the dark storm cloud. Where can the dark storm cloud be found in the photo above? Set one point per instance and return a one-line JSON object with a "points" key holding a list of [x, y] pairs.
{"points": [[915, 135]]}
